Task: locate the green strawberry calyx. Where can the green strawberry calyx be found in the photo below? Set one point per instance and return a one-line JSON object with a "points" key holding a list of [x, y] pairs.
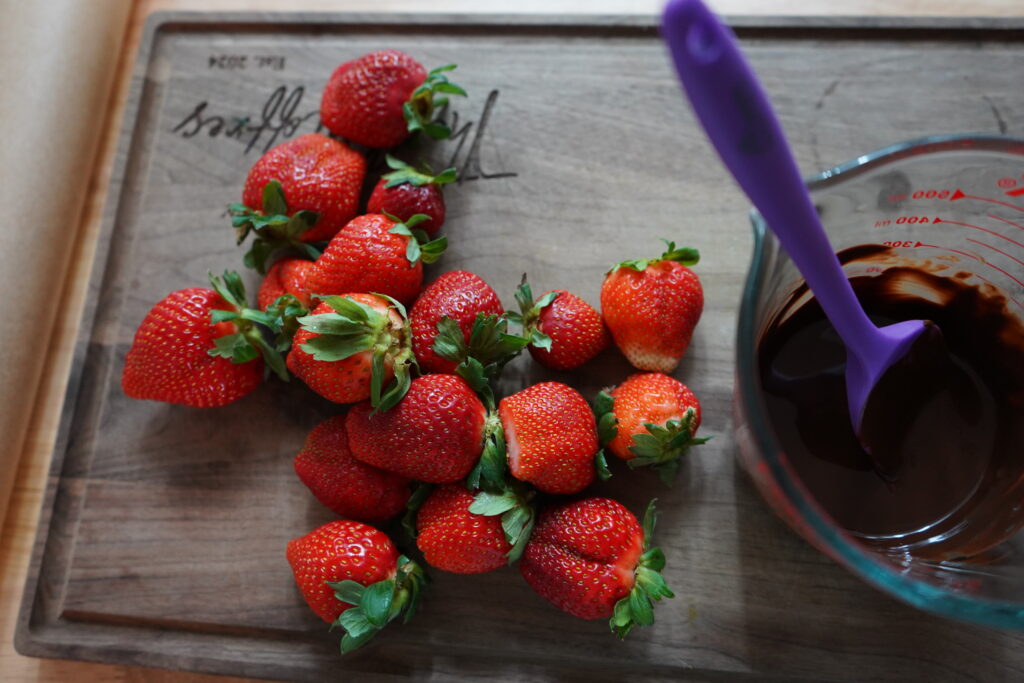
{"points": [[687, 256], [249, 340], [663, 446], [495, 494], [607, 429], [412, 507], [480, 360], [425, 101], [272, 228], [419, 247], [514, 504], [528, 316], [637, 608], [404, 173], [376, 605], [353, 327]]}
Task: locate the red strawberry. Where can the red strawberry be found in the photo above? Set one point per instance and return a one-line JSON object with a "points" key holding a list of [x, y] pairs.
{"points": [[454, 539], [459, 295], [346, 486], [352, 576], [194, 348], [405, 192], [380, 98], [287, 276], [652, 306], [650, 419], [350, 347], [564, 330], [435, 434], [373, 254], [591, 558], [551, 437], [301, 191]]}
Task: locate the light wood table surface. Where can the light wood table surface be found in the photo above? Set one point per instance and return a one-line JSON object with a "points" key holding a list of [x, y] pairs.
{"points": [[19, 530]]}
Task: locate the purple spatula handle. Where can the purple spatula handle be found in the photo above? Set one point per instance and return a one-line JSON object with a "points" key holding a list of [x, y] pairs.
{"points": [[742, 126]]}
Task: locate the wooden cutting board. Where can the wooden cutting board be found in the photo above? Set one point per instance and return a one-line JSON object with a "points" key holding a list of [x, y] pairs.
{"points": [[163, 531]]}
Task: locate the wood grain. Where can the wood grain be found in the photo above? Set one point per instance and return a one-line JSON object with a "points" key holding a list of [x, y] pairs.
{"points": [[727, 622]]}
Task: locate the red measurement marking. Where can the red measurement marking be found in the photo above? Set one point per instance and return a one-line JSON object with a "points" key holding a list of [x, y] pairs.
{"points": [[959, 194], [1016, 193], [998, 251], [972, 256], [1006, 182], [978, 227], [1016, 225]]}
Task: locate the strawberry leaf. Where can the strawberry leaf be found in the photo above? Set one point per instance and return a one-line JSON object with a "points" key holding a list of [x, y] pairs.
{"points": [[607, 423], [663, 446], [685, 255], [540, 340], [449, 342], [273, 199], [218, 315], [601, 465], [274, 229], [413, 505], [431, 251], [398, 388], [347, 591], [493, 504], [404, 173], [376, 602], [423, 102], [489, 471]]}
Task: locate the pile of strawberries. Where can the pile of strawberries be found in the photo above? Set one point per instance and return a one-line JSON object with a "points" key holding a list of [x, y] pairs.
{"points": [[481, 481]]}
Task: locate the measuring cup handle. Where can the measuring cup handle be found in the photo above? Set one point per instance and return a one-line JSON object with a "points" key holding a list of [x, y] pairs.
{"points": [[742, 126]]}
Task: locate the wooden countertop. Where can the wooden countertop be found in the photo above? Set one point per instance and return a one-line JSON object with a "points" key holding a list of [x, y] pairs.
{"points": [[19, 528]]}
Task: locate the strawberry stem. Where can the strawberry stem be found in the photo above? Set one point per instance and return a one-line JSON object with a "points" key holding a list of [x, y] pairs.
{"points": [[637, 608], [355, 327], [272, 228], [376, 605], [248, 341], [425, 100], [528, 316], [404, 173], [663, 446], [685, 255]]}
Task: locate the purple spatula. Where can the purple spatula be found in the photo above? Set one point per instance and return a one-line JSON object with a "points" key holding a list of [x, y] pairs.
{"points": [[742, 126]]}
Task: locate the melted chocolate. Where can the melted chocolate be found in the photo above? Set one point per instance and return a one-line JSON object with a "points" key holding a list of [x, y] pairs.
{"points": [[947, 427]]}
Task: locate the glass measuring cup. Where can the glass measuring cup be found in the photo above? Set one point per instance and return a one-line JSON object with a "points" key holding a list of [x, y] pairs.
{"points": [[951, 207]]}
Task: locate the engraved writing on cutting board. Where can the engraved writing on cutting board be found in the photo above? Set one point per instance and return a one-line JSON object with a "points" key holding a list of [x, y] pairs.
{"points": [[228, 62], [281, 117]]}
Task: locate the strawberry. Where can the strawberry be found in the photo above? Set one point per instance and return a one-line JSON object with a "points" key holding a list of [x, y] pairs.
{"points": [[454, 538], [379, 99], [300, 191], [195, 348], [458, 295], [374, 253], [341, 483], [352, 576], [551, 437], [351, 346], [405, 192], [564, 330], [287, 276], [592, 559], [435, 434], [650, 419], [652, 306]]}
